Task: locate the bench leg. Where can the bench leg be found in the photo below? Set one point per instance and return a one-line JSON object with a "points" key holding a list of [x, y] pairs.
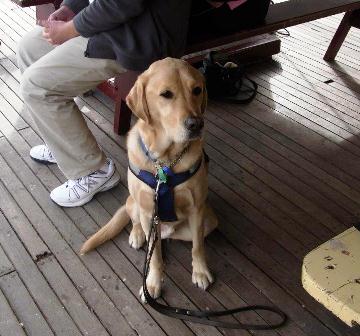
{"points": [[43, 11], [340, 35], [122, 118]]}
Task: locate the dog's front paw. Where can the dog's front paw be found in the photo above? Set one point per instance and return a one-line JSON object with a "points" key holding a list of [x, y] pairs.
{"points": [[153, 284], [137, 237], [202, 278], [154, 291]]}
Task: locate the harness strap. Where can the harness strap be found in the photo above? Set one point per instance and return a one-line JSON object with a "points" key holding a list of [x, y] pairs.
{"points": [[166, 190]]}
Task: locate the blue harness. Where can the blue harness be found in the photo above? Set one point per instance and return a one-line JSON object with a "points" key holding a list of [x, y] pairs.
{"points": [[166, 206]]}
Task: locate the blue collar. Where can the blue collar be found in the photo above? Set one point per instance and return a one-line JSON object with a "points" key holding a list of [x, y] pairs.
{"points": [[146, 150]]}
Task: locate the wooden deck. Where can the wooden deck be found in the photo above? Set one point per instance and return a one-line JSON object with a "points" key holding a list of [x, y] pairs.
{"points": [[284, 177]]}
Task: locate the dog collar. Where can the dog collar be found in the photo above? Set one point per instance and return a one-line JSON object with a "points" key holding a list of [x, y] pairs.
{"points": [[163, 168], [146, 150]]}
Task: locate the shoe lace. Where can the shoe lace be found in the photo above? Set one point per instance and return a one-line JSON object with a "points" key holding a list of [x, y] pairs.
{"points": [[84, 183], [47, 152]]}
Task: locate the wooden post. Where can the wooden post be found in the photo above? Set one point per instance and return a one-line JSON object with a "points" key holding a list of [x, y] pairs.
{"points": [[347, 22], [44, 11], [123, 84]]}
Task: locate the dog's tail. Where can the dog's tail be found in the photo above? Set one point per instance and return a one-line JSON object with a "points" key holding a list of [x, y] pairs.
{"points": [[109, 231]]}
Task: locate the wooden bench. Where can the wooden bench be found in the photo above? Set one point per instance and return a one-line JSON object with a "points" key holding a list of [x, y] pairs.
{"points": [[281, 15]]}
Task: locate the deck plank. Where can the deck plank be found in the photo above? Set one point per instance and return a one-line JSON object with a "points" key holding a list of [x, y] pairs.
{"points": [[25, 308], [6, 266], [10, 113], [17, 17], [344, 115], [321, 94], [261, 155], [82, 314], [61, 323], [324, 149], [9, 325], [21, 225]]}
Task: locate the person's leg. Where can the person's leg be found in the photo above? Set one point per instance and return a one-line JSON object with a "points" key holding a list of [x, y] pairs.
{"points": [[31, 48], [48, 87]]}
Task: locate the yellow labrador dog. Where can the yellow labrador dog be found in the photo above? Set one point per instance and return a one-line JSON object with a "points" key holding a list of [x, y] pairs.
{"points": [[170, 100]]}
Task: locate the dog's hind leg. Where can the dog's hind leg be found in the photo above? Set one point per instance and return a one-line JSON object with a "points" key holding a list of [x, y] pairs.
{"points": [[137, 235], [109, 231]]}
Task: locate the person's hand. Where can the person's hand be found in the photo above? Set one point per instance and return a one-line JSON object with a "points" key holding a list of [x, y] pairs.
{"points": [[64, 13], [58, 32]]}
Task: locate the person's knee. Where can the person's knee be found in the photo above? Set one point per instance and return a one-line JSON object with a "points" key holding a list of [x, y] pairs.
{"points": [[22, 49], [36, 85], [31, 86], [26, 48]]}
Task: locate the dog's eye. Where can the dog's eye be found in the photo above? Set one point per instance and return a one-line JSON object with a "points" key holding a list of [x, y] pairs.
{"points": [[167, 94], [196, 91]]}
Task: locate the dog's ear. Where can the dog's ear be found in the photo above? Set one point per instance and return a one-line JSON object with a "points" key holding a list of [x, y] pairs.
{"points": [[204, 100], [136, 99]]}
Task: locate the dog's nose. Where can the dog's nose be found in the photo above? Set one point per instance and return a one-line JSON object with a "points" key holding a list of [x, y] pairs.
{"points": [[194, 123]]}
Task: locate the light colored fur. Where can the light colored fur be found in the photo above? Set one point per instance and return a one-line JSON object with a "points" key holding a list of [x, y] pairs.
{"points": [[162, 128]]}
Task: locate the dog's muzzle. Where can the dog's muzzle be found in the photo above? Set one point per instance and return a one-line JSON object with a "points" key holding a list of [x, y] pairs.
{"points": [[194, 125]]}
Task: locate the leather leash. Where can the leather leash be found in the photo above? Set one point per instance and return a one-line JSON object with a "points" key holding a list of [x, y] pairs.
{"points": [[199, 316]]}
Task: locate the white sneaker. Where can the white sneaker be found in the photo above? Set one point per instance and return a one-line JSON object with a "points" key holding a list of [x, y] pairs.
{"points": [[75, 193], [42, 154]]}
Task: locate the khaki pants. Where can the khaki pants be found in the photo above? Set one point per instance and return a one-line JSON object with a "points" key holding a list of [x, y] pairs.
{"points": [[52, 77]]}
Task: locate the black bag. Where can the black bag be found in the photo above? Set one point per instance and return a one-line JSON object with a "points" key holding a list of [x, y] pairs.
{"points": [[227, 82], [223, 20]]}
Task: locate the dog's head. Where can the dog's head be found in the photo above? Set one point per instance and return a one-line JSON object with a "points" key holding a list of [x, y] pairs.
{"points": [[170, 95]]}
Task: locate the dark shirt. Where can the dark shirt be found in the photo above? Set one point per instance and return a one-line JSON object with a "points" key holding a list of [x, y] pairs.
{"points": [[133, 32]]}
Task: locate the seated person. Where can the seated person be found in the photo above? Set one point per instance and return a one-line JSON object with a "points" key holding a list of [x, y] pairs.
{"points": [[80, 46]]}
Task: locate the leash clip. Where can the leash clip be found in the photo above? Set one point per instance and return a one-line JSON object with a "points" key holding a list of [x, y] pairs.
{"points": [[156, 220], [157, 188]]}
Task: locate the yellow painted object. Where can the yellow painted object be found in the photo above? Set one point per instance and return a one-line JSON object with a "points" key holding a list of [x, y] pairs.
{"points": [[331, 274]]}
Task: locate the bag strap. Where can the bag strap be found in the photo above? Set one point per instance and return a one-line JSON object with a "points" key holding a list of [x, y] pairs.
{"points": [[234, 99]]}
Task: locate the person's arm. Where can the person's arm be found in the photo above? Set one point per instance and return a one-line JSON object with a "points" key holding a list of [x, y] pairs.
{"points": [[75, 5], [102, 15]]}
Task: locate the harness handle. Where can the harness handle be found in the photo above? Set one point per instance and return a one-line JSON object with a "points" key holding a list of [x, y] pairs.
{"points": [[199, 316]]}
